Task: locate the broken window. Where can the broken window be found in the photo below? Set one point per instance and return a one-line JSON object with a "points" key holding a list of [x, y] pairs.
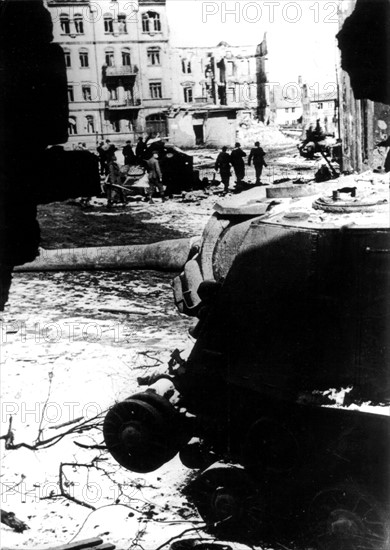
{"points": [[70, 93], [155, 89], [151, 22], [186, 66], [122, 24], [108, 24], [68, 58], [72, 126], [320, 105], [79, 24], [87, 93], [90, 124], [230, 68], [154, 56], [65, 24], [110, 58], [126, 58], [84, 58], [188, 94]]}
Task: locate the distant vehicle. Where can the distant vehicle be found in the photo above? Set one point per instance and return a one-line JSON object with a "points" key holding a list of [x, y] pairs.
{"points": [[185, 178], [308, 149]]}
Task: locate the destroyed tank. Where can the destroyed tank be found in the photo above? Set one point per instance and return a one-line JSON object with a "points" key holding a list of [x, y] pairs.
{"points": [[282, 404]]}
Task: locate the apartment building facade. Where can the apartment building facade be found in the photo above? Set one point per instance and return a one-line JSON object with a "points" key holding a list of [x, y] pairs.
{"points": [[117, 58]]}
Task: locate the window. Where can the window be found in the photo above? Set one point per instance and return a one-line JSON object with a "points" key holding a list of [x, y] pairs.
{"points": [[230, 68], [84, 58], [126, 58], [122, 24], [68, 58], [113, 93], [72, 126], [252, 91], [293, 109], [79, 24], [90, 124], [108, 24], [154, 56], [151, 22], [87, 93], [186, 66], [188, 95], [116, 125], [70, 93], [155, 90], [320, 105], [245, 67], [65, 24], [110, 59], [231, 93]]}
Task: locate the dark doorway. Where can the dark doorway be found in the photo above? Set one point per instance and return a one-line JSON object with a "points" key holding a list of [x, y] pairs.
{"points": [[199, 134], [156, 124]]}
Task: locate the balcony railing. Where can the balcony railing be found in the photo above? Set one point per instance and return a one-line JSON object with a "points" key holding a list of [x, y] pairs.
{"points": [[117, 104], [126, 70]]}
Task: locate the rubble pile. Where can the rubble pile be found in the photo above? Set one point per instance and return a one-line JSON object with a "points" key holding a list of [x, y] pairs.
{"points": [[269, 136]]}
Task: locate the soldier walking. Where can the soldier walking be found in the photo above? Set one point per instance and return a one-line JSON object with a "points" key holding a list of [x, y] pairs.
{"points": [[257, 155], [237, 160], [155, 177], [222, 164]]}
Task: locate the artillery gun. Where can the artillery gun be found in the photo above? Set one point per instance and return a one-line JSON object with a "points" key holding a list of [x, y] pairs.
{"points": [[282, 404]]}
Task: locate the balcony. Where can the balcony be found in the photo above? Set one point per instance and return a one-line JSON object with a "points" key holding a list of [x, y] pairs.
{"points": [[157, 102], [123, 104], [127, 70], [203, 99]]}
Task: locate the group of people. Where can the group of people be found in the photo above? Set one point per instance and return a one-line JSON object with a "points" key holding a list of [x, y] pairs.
{"points": [[116, 176], [235, 159], [106, 150]]}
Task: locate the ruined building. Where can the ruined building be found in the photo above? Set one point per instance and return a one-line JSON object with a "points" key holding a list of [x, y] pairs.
{"points": [[213, 89]]}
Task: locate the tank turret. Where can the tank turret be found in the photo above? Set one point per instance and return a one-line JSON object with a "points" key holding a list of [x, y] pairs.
{"points": [[283, 400]]}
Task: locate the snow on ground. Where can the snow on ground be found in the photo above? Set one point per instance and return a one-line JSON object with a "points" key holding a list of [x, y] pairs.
{"points": [[59, 349]]}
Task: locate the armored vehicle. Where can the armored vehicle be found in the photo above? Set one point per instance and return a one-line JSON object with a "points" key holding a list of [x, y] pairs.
{"points": [[282, 404]]}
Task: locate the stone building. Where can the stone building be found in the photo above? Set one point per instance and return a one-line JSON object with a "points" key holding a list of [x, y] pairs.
{"points": [[117, 57], [286, 105], [322, 105]]}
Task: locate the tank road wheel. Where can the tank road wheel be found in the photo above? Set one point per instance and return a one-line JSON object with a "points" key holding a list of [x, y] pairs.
{"points": [[227, 501], [345, 518], [139, 436], [162, 405], [270, 447]]}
